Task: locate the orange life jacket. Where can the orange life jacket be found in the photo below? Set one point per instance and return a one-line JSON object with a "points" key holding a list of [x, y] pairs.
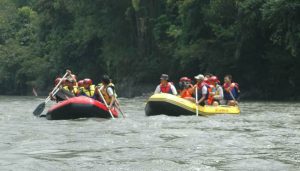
{"points": [[105, 93], [210, 98], [188, 92]]}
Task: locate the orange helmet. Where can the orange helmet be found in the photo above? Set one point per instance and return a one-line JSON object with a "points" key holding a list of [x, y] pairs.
{"points": [[87, 81], [80, 83]]}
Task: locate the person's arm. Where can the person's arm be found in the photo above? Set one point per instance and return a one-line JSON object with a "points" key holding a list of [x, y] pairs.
{"points": [[201, 100], [113, 99], [53, 98], [157, 90], [174, 91], [111, 94], [221, 93]]}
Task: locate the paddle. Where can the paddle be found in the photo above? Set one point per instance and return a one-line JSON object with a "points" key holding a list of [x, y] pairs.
{"points": [[112, 116], [197, 112], [40, 108], [233, 97]]}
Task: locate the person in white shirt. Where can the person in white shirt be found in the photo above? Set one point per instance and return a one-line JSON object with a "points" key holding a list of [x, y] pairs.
{"points": [[107, 89], [202, 90], [165, 86], [217, 91]]}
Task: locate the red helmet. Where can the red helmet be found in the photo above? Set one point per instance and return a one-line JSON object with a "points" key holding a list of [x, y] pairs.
{"points": [[88, 81], [185, 79], [80, 83], [205, 80], [57, 80], [214, 79]]}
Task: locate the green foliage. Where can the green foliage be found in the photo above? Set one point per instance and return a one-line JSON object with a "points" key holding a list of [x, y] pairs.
{"points": [[283, 19], [135, 41]]}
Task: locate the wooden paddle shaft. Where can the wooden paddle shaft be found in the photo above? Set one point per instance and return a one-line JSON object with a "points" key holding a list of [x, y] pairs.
{"points": [[197, 112]]}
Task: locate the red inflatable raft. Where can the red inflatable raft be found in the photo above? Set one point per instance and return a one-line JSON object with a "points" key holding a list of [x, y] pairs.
{"points": [[79, 107]]}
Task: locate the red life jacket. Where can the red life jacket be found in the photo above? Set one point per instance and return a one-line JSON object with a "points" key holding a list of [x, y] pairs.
{"points": [[226, 85], [234, 90], [166, 88]]}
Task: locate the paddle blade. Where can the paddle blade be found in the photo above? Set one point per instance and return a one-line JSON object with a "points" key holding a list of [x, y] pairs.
{"points": [[39, 109]]}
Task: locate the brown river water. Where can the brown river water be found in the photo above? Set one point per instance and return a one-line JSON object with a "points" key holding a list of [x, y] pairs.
{"points": [[265, 136]]}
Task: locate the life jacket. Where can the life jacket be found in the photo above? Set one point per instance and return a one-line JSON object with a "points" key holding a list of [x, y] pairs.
{"points": [[200, 86], [187, 92], [234, 88], [166, 88], [75, 90], [105, 93], [88, 92], [210, 89]]}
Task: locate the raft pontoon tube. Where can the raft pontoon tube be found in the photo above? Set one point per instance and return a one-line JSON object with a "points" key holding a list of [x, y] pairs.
{"points": [[79, 107], [171, 105]]}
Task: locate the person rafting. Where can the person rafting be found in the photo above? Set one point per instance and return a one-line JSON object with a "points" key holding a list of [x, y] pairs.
{"points": [[202, 90], [55, 97], [71, 89], [107, 89], [185, 88], [72, 77], [216, 94], [165, 86], [60, 95], [232, 91], [88, 89]]}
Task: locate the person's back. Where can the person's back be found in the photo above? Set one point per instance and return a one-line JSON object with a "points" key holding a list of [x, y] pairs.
{"points": [[165, 86]]}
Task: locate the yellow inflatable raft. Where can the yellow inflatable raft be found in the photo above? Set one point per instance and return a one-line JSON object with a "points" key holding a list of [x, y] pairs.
{"points": [[174, 106]]}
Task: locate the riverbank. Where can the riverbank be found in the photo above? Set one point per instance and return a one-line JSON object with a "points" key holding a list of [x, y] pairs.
{"points": [[129, 89]]}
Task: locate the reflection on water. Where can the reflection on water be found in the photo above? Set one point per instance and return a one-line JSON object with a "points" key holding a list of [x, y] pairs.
{"points": [[266, 136]]}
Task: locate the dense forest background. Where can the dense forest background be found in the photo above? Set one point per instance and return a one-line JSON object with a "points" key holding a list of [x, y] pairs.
{"points": [[134, 41]]}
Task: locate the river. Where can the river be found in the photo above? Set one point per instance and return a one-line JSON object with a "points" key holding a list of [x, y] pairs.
{"points": [[266, 136]]}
